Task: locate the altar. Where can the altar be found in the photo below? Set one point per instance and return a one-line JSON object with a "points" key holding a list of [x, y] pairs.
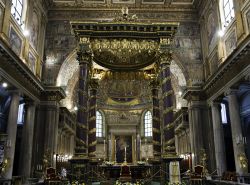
{"points": [[137, 171]]}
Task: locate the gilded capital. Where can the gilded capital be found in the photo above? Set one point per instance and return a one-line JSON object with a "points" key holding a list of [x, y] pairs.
{"points": [[84, 56], [166, 57]]}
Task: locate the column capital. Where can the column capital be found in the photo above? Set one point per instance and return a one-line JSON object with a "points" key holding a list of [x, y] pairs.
{"points": [[230, 91], [154, 84], [166, 57], [84, 53], [215, 102], [84, 56]]}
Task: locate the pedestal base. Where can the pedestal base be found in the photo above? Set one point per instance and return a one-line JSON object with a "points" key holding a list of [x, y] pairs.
{"points": [[172, 164]]}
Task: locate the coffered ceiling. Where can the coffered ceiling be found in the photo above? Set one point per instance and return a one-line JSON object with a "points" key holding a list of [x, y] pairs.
{"points": [[183, 4]]}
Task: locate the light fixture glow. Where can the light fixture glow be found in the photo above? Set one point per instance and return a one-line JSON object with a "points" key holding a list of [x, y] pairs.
{"points": [[4, 85], [180, 93], [221, 33], [26, 32], [75, 108]]}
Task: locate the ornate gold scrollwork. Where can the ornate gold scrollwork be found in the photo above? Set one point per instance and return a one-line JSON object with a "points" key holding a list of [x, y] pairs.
{"points": [[243, 161]]}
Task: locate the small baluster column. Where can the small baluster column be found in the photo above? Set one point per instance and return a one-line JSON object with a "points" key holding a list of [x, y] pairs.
{"points": [[84, 58], [156, 119], [167, 94], [92, 117]]}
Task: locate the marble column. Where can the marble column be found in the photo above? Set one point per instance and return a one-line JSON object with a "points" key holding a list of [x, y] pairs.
{"points": [[238, 145], [84, 58], [11, 132], [219, 143], [72, 144], [27, 141], [156, 119], [196, 136], [51, 130], [167, 94], [92, 118]]}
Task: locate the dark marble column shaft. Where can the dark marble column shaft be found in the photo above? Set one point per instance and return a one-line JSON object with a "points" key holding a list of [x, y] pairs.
{"points": [[167, 95], [84, 59], [92, 118], [156, 119]]}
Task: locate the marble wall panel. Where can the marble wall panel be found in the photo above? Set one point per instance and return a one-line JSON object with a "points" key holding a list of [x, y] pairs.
{"points": [[32, 62], [230, 42], [15, 41]]}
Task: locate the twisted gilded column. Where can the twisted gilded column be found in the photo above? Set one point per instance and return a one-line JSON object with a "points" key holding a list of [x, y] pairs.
{"points": [[167, 95], [156, 119], [92, 117], [84, 58]]}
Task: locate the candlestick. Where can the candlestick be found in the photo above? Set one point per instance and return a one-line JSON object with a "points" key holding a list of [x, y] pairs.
{"points": [[115, 151], [140, 150], [104, 149], [125, 154], [135, 151]]}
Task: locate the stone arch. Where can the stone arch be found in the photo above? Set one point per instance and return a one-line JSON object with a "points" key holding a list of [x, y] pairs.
{"points": [[179, 81], [68, 79]]}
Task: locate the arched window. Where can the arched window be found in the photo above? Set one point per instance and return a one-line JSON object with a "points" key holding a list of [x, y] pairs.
{"points": [[148, 124], [227, 12], [99, 124], [223, 113], [17, 10], [20, 118]]}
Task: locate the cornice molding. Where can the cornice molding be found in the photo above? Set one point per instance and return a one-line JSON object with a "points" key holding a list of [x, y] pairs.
{"points": [[19, 75], [14, 69]]}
